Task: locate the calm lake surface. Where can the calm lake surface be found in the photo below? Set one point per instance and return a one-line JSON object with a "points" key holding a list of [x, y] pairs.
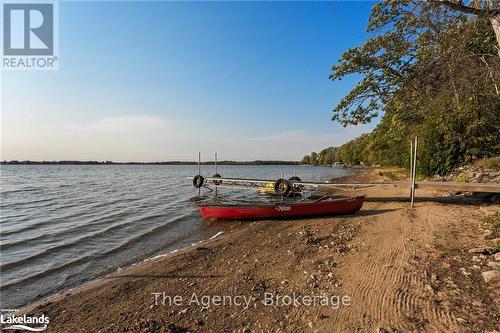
{"points": [[62, 225]]}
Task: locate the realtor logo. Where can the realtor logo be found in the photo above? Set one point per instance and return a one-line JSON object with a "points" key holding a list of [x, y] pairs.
{"points": [[28, 29], [29, 35]]}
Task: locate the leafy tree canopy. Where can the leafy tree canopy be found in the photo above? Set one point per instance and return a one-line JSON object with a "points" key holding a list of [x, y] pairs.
{"points": [[432, 71]]}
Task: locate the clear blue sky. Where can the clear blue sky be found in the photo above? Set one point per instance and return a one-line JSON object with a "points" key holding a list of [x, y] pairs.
{"points": [[149, 81]]}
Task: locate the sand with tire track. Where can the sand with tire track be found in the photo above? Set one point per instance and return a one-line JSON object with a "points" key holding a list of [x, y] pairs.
{"points": [[388, 268]]}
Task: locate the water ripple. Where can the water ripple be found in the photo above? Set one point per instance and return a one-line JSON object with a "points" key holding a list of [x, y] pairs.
{"points": [[61, 225]]}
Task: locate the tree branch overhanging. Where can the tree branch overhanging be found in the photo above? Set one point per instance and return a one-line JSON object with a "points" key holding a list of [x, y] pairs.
{"points": [[458, 5]]}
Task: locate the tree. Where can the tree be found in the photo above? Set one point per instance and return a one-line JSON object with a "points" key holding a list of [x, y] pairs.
{"points": [[314, 158], [486, 8], [326, 157], [434, 72], [404, 33]]}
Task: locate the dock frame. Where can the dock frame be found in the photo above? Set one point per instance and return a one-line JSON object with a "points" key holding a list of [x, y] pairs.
{"points": [[446, 186]]}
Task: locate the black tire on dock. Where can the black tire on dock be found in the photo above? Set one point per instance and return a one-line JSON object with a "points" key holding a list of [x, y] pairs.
{"points": [[294, 179], [198, 181], [217, 182], [282, 187]]}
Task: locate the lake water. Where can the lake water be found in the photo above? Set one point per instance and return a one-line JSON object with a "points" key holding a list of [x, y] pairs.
{"points": [[62, 225]]}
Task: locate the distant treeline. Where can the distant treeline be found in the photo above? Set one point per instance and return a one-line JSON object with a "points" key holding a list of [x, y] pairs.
{"points": [[434, 72], [258, 162]]}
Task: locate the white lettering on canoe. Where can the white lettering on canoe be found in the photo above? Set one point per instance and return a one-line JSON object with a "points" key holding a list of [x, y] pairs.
{"points": [[283, 208]]}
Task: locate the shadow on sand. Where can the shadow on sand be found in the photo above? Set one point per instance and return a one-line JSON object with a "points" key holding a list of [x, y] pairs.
{"points": [[370, 212], [444, 200], [162, 277]]}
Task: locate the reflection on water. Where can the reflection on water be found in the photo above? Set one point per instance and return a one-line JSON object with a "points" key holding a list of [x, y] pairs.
{"points": [[61, 225]]}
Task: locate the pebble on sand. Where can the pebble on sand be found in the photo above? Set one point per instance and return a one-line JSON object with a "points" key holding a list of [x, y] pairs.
{"points": [[484, 250], [494, 265], [491, 276]]}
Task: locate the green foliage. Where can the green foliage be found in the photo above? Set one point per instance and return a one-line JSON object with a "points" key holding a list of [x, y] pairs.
{"points": [[434, 73], [306, 160], [494, 221], [390, 175], [490, 163]]}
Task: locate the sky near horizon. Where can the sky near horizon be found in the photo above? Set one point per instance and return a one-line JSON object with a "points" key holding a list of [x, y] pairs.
{"points": [[157, 81]]}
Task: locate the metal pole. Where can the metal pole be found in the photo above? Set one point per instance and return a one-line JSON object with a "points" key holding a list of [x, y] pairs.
{"points": [[414, 170], [411, 177], [216, 163], [216, 172], [199, 170], [411, 169], [199, 163]]}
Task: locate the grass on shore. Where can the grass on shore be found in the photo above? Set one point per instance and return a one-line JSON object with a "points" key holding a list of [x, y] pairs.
{"points": [[394, 173], [495, 222], [489, 163]]}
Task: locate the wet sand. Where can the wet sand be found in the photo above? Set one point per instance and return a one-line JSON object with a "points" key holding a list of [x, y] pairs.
{"points": [[388, 268]]}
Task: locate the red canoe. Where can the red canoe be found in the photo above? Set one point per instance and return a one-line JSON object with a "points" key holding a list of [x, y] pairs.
{"points": [[326, 207]]}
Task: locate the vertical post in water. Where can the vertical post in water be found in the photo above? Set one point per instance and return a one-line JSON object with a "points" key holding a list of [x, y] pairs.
{"points": [[216, 163], [414, 170], [199, 170], [216, 172], [199, 162]]}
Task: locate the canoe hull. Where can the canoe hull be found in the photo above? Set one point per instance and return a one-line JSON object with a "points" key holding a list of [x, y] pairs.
{"points": [[277, 211]]}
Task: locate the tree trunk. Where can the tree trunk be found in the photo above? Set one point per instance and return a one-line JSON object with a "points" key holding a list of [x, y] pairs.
{"points": [[492, 76], [495, 20], [495, 23]]}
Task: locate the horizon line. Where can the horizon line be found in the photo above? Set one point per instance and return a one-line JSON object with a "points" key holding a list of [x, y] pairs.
{"points": [[172, 162]]}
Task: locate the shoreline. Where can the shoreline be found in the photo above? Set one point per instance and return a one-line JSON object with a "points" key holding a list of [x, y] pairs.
{"points": [[21, 295], [233, 226], [393, 262], [99, 281], [140, 265]]}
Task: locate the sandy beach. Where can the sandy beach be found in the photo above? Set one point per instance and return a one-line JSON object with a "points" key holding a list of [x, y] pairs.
{"points": [[388, 268], [165, 115]]}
